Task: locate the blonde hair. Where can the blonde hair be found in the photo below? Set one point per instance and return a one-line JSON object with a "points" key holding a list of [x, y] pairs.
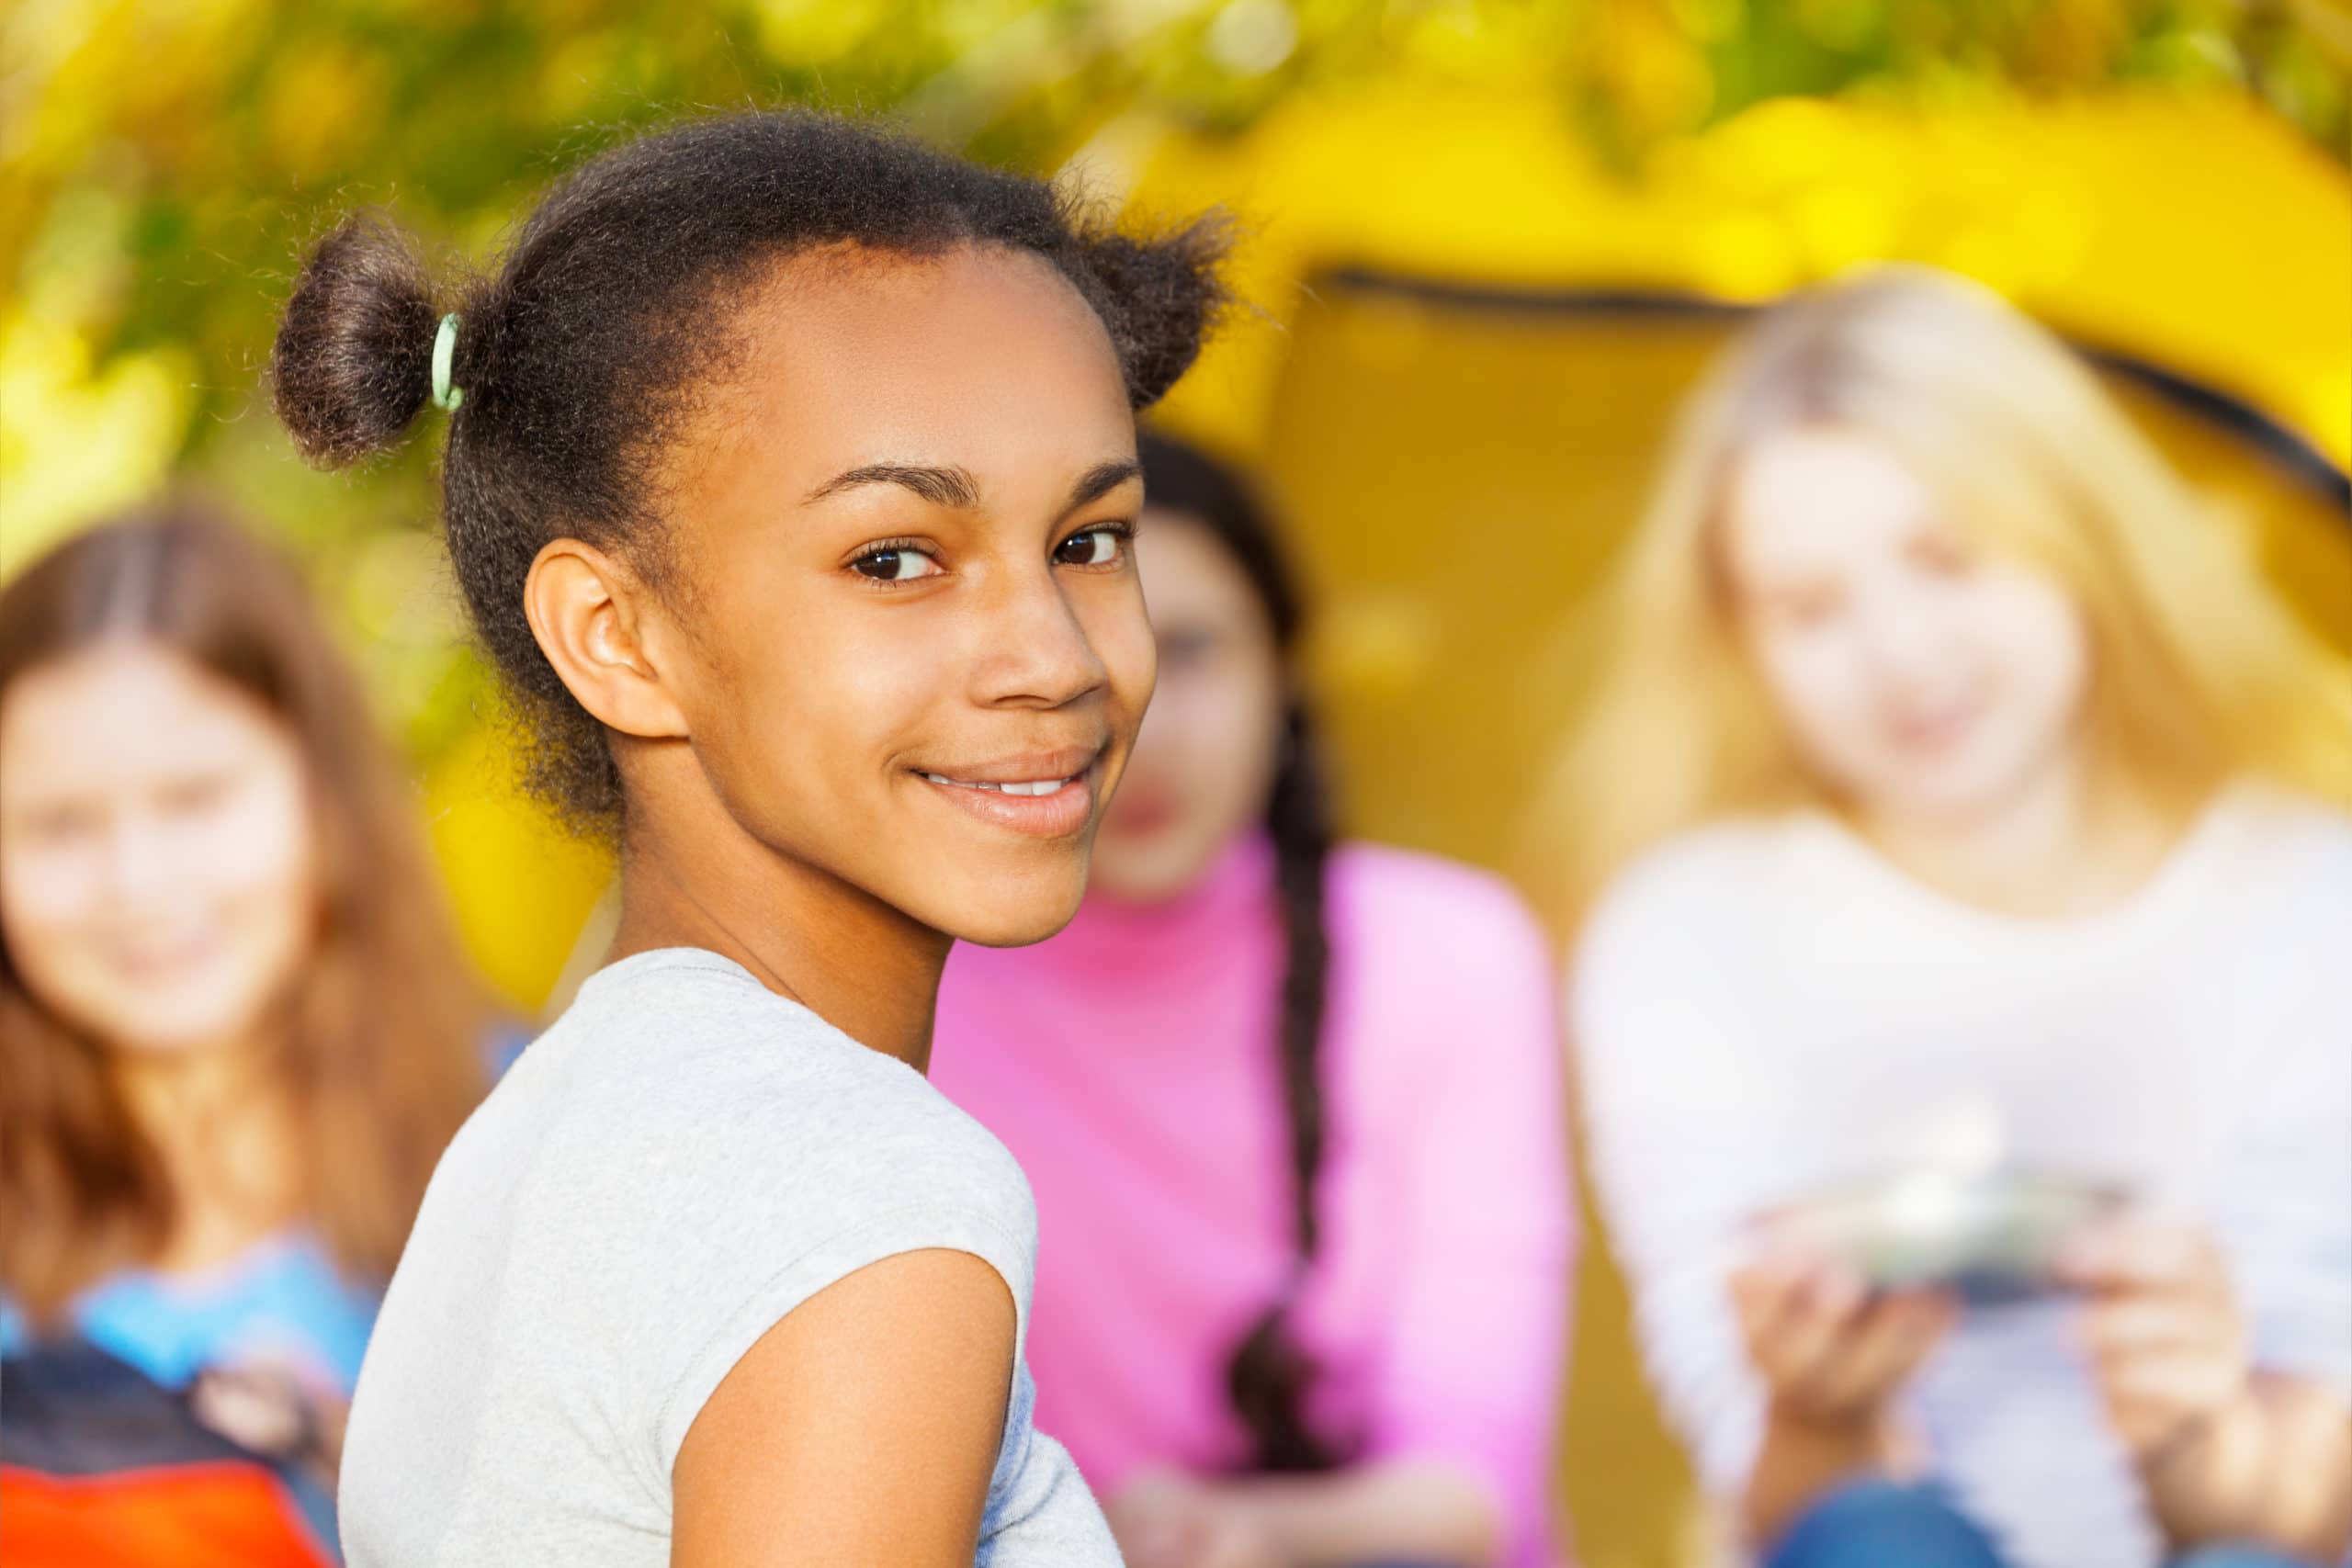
{"points": [[2199, 673]]}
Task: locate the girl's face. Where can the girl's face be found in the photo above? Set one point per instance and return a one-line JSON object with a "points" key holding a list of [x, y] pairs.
{"points": [[917, 652], [157, 876], [1206, 760], [1918, 676]]}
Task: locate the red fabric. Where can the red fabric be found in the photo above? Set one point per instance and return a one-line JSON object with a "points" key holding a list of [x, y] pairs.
{"points": [[223, 1515]]}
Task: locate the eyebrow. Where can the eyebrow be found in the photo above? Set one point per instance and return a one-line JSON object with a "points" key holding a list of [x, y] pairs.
{"points": [[953, 486], [940, 486], [1101, 480]]}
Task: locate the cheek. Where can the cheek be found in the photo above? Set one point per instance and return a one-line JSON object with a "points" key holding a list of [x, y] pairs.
{"points": [[1120, 633], [46, 893], [792, 712], [2040, 647], [254, 872], [2038, 637], [1818, 681], [48, 907], [261, 849], [1229, 749]]}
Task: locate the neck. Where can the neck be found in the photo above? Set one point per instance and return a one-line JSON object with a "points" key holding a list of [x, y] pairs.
{"points": [[218, 1118], [857, 962], [2063, 843]]}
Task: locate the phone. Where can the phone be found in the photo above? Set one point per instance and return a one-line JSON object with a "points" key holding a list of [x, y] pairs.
{"points": [[1991, 1239]]}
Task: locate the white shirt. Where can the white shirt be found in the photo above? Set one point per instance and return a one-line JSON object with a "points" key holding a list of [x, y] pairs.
{"points": [[673, 1167], [1766, 1008]]}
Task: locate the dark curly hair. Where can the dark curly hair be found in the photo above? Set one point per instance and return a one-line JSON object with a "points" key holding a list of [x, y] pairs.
{"points": [[581, 355]]}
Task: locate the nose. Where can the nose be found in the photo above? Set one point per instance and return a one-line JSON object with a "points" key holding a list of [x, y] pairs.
{"points": [[136, 862], [1032, 651], [1906, 634]]}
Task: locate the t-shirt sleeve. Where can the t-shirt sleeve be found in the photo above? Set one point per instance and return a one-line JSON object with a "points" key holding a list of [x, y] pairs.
{"points": [[758, 1304], [752, 1170], [1040, 1514], [1472, 1358], [1653, 1048]]}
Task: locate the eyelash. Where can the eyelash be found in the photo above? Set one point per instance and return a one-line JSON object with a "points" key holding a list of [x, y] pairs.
{"points": [[1123, 531], [889, 547]]}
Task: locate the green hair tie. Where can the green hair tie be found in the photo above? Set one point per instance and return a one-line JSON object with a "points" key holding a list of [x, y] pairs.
{"points": [[445, 351]]}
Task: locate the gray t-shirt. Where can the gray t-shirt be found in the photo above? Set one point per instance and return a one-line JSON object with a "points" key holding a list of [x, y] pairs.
{"points": [[681, 1160]]}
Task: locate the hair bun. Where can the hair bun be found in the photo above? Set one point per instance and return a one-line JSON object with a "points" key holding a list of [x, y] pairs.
{"points": [[1158, 296], [354, 359]]}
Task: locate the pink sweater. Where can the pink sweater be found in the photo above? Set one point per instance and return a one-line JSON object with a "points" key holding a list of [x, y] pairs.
{"points": [[1129, 1064]]}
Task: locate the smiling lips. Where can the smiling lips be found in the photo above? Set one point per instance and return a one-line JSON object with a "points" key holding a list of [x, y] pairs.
{"points": [[1049, 795], [1011, 786]]}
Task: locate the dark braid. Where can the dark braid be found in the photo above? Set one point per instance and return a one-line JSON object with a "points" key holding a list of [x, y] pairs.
{"points": [[1269, 1376], [607, 324]]}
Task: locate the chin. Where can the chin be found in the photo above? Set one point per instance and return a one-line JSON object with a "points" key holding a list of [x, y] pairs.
{"points": [[1014, 911], [1153, 872], [1958, 796], [154, 1039]]}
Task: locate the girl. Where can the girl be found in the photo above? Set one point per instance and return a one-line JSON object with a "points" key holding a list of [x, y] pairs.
{"points": [[1957, 790], [1293, 1115], [236, 1029], [790, 480]]}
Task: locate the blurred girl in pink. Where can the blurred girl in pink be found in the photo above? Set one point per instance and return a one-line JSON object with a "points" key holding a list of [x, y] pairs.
{"points": [[1293, 1112]]}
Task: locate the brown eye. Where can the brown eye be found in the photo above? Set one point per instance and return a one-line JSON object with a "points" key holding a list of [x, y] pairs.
{"points": [[897, 564], [1096, 547]]}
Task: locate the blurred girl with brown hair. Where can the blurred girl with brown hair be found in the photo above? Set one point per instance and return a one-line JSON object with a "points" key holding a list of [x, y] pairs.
{"points": [[234, 1024]]}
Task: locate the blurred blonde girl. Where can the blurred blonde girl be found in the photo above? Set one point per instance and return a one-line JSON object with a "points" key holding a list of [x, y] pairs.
{"points": [[1954, 781]]}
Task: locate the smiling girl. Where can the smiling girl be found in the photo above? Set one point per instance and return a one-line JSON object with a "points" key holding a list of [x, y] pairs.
{"points": [[234, 1025], [790, 479], [1958, 788]]}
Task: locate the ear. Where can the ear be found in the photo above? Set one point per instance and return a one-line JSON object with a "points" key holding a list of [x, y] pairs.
{"points": [[589, 613]]}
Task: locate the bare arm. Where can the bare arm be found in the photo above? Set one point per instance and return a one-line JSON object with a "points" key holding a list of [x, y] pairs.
{"points": [[1404, 1510], [2273, 1466], [2227, 1452], [860, 1427]]}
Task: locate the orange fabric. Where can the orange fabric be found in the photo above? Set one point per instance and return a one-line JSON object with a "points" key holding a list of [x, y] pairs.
{"points": [[196, 1516]]}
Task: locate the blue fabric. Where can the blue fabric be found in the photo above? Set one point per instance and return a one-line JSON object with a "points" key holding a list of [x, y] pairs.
{"points": [[1879, 1524], [282, 1300]]}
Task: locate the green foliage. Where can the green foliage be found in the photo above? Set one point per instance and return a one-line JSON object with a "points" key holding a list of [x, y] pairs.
{"points": [[166, 162]]}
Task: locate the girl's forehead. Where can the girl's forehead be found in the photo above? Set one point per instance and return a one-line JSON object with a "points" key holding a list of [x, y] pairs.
{"points": [[1804, 495], [860, 303], [128, 707], [978, 359]]}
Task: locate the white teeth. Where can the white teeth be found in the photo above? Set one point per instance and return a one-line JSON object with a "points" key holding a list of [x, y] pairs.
{"points": [[1039, 786]]}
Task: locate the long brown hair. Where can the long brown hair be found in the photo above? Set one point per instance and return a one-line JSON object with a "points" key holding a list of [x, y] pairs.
{"points": [[1270, 1377], [380, 1048]]}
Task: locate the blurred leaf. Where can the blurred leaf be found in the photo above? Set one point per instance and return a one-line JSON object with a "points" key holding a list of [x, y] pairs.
{"points": [[163, 162]]}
